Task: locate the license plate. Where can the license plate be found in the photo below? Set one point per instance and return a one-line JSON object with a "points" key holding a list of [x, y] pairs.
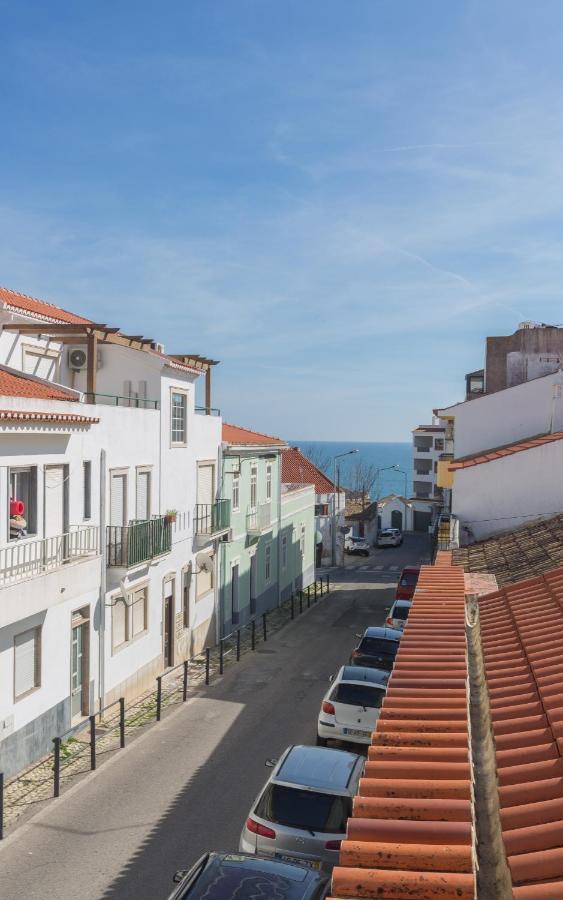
{"points": [[309, 863], [356, 732]]}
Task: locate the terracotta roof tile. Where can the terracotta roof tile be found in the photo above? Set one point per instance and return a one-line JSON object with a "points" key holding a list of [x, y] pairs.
{"points": [[16, 384], [496, 453], [234, 434], [298, 469], [22, 303], [13, 415], [410, 831]]}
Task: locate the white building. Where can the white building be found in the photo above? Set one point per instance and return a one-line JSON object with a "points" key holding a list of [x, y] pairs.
{"points": [[428, 443], [108, 575]]}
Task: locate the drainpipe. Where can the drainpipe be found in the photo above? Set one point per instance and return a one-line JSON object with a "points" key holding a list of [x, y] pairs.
{"points": [[103, 571], [278, 566]]}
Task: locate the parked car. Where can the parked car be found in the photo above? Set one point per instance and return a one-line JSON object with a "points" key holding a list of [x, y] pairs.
{"points": [[301, 813], [407, 583], [351, 706], [390, 537], [377, 648], [357, 545], [225, 876], [398, 614]]}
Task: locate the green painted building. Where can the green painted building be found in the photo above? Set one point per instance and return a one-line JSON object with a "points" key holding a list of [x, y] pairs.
{"points": [[269, 551]]}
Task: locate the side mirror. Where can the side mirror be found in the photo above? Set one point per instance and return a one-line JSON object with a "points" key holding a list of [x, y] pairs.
{"points": [[270, 763], [359, 635], [180, 875], [387, 609], [331, 677]]}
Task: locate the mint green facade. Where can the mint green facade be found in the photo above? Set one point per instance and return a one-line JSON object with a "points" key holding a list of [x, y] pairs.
{"points": [[262, 562]]}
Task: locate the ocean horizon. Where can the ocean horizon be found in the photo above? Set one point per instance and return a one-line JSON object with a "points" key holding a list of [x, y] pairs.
{"points": [[379, 454]]}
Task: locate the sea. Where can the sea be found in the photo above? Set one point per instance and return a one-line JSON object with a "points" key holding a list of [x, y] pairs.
{"points": [[379, 455]]}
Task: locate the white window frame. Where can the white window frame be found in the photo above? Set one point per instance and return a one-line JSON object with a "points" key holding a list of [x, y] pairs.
{"points": [[33, 471], [254, 486], [184, 394], [268, 563], [236, 493], [269, 483], [143, 470], [37, 662]]}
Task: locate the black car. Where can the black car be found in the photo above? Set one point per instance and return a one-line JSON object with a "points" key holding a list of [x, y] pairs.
{"points": [[377, 648], [222, 876]]}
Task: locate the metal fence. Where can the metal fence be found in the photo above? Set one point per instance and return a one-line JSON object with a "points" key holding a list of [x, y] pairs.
{"points": [[128, 545], [210, 518]]}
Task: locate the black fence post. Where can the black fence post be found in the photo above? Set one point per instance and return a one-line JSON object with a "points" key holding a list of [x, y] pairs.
{"points": [[292, 607], [308, 596], [221, 651], [328, 584], [1, 806], [122, 722], [264, 626], [158, 697], [315, 591], [57, 767], [207, 655], [253, 635], [238, 644], [300, 602], [92, 742], [185, 686]]}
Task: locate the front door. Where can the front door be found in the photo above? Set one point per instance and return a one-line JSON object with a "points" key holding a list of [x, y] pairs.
{"points": [[234, 594], [79, 678], [168, 620], [253, 585]]}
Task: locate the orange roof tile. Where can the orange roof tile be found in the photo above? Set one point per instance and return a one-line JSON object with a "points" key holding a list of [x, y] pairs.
{"points": [[22, 303], [16, 384], [410, 831], [478, 459], [298, 469], [234, 434], [14, 415]]}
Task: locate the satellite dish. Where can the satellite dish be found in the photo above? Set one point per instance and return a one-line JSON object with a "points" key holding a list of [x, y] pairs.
{"points": [[204, 562]]}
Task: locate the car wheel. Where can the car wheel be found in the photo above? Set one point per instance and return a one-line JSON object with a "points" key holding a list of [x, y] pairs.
{"points": [[365, 553], [321, 742]]}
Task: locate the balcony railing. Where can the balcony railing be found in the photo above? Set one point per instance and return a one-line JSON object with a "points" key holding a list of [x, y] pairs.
{"points": [[259, 518], [212, 518], [26, 559], [118, 400], [130, 545]]}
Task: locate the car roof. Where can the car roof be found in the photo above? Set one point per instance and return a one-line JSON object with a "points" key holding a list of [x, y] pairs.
{"points": [[379, 631], [413, 569], [403, 602], [363, 674], [317, 767], [224, 870]]}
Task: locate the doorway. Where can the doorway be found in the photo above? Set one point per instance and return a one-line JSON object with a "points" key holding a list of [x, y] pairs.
{"points": [[396, 519], [253, 584], [235, 594], [167, 626], [79, 677]]}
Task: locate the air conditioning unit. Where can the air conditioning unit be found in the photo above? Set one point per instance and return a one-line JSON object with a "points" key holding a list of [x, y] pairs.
{"points": [[77, 359]]}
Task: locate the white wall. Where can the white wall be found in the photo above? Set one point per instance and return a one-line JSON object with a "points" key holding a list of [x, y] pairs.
{"points": [[509, 492]]}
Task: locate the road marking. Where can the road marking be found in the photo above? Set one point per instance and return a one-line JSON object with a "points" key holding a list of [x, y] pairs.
{"points": [[364, 568], [378, 569], [393, 568]]}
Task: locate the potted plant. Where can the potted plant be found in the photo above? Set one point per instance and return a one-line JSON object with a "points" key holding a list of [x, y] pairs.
{"points": [[170, 516]]}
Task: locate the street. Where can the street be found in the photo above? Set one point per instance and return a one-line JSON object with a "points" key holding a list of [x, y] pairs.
{"points": [[186, 785]]}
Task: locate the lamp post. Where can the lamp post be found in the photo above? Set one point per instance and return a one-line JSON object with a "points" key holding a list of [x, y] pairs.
{"points": [[404, 474], [338, 456]]}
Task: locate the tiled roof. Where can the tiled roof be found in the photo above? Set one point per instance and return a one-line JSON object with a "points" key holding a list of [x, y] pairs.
{"points": [[478, 459], [298, 469], [234, 434], [436, 428], [22, 303], [13, 415], [510, 556], [16, 384], [410, 832], [522, 639]]}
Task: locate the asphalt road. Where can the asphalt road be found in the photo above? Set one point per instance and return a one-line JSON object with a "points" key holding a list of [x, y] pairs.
{"points": [[187, 785]]}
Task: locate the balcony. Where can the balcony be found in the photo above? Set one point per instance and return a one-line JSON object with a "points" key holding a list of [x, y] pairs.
{"points": [[139, 542], [25, 559], [259, 518], [212, 519]]}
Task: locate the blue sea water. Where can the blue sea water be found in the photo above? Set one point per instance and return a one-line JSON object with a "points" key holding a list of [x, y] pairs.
{"points": [[379, 455]]}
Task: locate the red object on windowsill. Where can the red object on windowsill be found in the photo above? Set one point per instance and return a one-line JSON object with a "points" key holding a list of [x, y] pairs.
{"points": [[17, 508]]}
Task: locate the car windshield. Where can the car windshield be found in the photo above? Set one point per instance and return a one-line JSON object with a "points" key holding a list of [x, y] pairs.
{"points": [[217, 883], [357, 540], [409, 579], [378, 647], [400, 612], [307, 810], [387, 534], [358, 695]]}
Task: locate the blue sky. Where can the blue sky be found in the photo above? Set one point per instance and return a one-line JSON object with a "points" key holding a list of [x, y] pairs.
{"points": [[339, 200]]}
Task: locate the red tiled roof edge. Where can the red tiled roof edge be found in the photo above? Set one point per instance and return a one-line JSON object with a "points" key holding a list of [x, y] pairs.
{"points": [[297, 468], [19, 302], [14, 383], [410, 833], [8, 415], [506, 450], [236, 434]]}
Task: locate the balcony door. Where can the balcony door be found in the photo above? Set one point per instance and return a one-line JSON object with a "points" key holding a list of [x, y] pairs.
{"points": [[168, 623], [54, 515], [79, 665]]}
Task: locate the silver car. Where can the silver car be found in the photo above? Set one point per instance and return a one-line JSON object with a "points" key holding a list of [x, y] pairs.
{"points": [[398, 614], [390, 537], [301, 813]]}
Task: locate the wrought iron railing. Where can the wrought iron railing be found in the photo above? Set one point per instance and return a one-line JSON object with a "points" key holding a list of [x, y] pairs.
{"points": [[119, 400], [23, 559], [259, 518], [129, 545], [212, 518]]}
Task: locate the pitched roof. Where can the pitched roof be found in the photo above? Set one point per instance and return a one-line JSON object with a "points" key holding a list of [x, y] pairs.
{"points": [[38, 308], [234, 434], [298, 469], [531, 549], [16, 384], [410, 833], [522, 638], [477, 459], [40, 418]]}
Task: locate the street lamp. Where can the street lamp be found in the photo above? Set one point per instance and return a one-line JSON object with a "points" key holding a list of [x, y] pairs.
{"points": [[338, 456], [404, 474]]}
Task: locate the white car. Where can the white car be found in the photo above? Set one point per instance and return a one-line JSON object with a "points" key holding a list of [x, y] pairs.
{"points": [[350, 708], [390, 537], [358, 545]]}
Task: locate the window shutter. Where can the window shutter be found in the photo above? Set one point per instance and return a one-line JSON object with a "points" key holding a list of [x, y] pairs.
{"points": [[26, 661], [143, 494], [205, 484], [139, 607], [119, 622], [117, 499]]}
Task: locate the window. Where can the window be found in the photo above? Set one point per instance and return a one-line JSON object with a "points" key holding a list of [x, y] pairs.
{"points": [[22, 510], [321, 509], [186, 583], [236, 492], [129, 618], [205, 579], [178, 418], [87, 479], [119, 623], [41, 362], [304, 809], [118, 499], [284, 552], [27, 662], [302, 541], [358, 695], [439, 444], [268, 482], [268, 563], [143, 495], [253, 487], [138, 601]]}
